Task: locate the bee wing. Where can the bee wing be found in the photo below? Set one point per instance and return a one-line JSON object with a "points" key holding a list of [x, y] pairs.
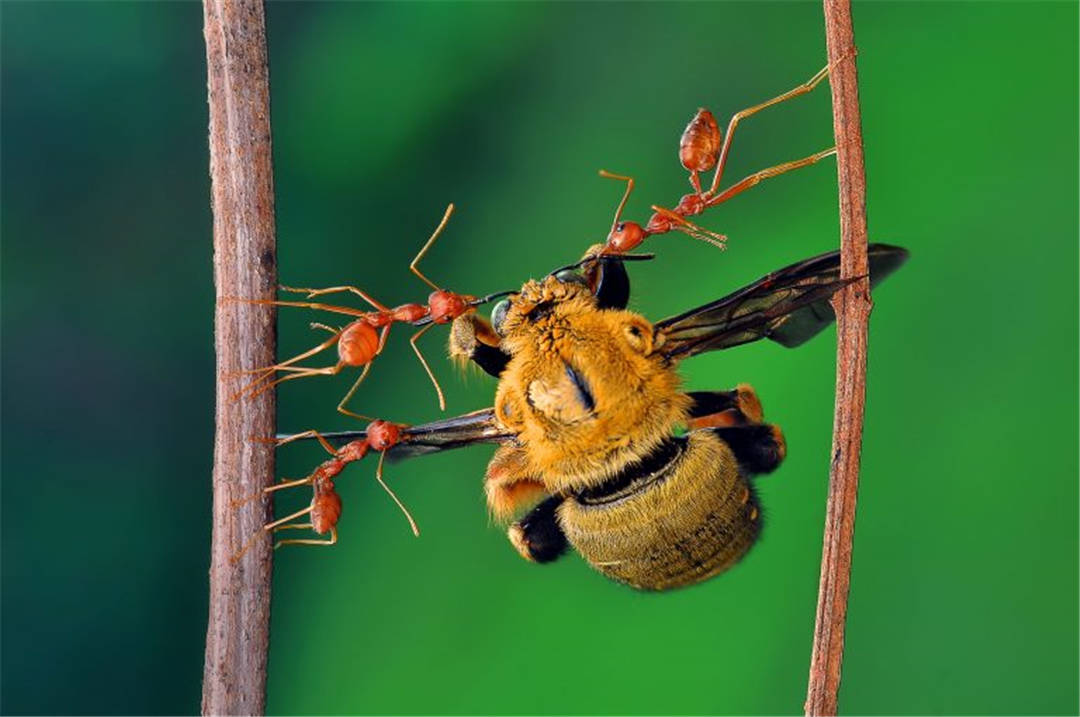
{"points": [[788, 306], [466, 430]]}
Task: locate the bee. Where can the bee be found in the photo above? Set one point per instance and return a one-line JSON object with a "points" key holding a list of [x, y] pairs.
{"points": [[600, 449]]}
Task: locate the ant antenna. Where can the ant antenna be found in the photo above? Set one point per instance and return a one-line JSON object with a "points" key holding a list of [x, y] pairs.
{"points": [[629, 188], [424, 249]]}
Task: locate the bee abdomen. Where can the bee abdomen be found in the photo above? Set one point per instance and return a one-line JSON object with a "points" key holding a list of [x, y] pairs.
{"points": [[697, 518]]}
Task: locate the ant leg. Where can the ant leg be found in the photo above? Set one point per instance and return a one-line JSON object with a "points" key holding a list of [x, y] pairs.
{"points": [[629, 188], [281, 521], [278, 442], [802, 89], [265, 529], [424, 249], [312, 293], [684, 225], [382, 339], [438, 389], [743, 184], [317, 325], [300, 373], [347, 310], [341, 406], [408, 515], [267, 371], [304, 541], [289, 484]]}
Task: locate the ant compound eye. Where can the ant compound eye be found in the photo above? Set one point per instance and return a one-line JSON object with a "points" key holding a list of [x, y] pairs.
{"points": [[569, 276], [626, 236], [498, 315]]}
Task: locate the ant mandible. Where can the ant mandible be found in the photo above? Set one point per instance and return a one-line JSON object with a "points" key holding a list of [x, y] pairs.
{"points": [[363, 339], [700, 149]]}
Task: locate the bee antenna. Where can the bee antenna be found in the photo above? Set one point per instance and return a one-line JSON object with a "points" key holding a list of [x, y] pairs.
{"points": [[490, 297], [570, 267], [620, 257]]}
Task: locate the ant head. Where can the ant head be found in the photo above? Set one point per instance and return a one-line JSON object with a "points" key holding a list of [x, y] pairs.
{"points": [[447, 306], [381, 435], [624, 237]]}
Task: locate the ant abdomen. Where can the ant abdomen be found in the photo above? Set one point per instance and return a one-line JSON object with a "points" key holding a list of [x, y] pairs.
{"points": [[358, 344], [699, 146], [325, 510]]}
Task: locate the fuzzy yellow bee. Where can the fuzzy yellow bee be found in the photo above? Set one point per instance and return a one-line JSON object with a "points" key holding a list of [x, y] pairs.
{"points": [[601, 448]]}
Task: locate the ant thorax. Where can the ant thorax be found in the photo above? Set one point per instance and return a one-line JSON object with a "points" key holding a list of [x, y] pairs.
{"points": [[584, 389]]}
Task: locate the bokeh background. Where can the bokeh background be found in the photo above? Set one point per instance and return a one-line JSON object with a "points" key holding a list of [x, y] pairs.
{"points": [[964, 596]]}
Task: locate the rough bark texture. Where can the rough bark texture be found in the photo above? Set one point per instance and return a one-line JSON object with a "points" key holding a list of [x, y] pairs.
{"points": [[852, 306], [234, 677]]}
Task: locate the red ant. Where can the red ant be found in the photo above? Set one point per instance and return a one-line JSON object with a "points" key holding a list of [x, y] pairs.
{"points": [[325, 508], [359, 343], [700, 150]]}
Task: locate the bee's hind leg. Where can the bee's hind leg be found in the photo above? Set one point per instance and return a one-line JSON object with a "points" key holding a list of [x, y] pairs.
{"points": [[538, 536], [736, 407], [759, 447]]}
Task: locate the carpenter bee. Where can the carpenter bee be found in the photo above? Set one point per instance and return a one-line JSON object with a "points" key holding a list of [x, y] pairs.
{"points": [[599, 448]]}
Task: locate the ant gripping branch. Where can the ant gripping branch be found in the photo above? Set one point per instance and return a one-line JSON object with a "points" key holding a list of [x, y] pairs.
{"points": [[360, 341], [325, 507], [700, 149]]}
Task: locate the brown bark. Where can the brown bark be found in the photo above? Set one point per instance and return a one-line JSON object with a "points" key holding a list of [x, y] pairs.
{"points": [[234, 677], [852, 305]]}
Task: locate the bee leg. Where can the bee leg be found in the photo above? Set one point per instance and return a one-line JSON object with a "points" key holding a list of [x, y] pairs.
{"points": [[472, 339], [739, 405], [508, 486], [538, 537], [758, 447]]}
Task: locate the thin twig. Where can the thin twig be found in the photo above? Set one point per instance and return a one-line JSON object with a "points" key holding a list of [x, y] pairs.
{"points": [[852, 306], [234, 677]]}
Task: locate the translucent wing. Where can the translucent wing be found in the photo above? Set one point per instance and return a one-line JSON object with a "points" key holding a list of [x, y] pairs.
{"points": [[788, 306], [466, 430]]}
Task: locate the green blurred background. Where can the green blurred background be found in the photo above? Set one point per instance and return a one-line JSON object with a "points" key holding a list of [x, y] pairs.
{"points": [[964, 596]]}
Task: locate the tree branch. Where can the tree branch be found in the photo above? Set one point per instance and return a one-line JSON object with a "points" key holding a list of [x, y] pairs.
{"points": [[234, 677], [852, 306]]}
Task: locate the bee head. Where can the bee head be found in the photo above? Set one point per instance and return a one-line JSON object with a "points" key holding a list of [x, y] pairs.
{"points": [[584, 389]]}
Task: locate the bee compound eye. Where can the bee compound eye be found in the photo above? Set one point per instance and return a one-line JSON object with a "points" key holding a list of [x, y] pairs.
{"points": [[498, 315], [569, 276]]}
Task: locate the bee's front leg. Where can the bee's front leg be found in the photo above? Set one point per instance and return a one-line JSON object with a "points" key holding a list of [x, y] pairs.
{"points": [[510, 488], [538, 536], [472, 339]]}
